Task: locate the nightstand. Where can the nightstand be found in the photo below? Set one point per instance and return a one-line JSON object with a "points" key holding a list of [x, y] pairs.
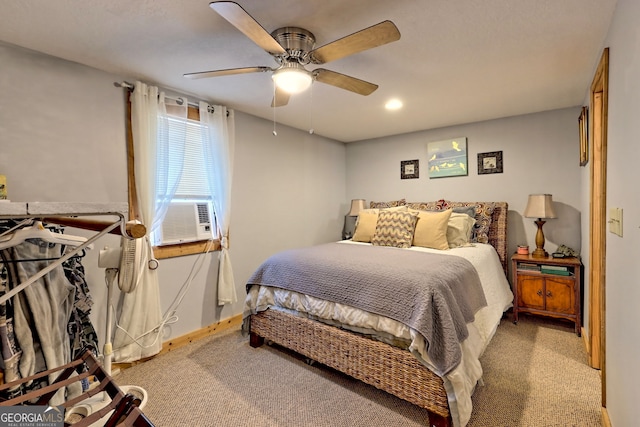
{"points": [[349, 226], [547, 287]]}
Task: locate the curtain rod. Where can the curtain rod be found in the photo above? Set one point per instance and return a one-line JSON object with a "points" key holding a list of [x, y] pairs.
{"points": [[179, 100], [124, 84]]}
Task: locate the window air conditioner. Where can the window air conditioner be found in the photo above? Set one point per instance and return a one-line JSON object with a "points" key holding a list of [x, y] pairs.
{"points": [[186, 222]]}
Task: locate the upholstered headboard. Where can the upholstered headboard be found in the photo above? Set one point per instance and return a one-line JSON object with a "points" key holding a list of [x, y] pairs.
{"points": [[498, 233], [497, 227]]}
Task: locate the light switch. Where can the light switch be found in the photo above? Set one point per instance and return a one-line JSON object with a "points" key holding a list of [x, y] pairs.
{"points": [[615, 221]]}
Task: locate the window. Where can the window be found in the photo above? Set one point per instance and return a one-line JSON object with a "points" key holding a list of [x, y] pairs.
{"points": [[189, 215], [189, 224]]}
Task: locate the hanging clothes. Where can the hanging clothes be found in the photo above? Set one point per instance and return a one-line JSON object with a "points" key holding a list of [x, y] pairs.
{"points": [[47, 324], [82, 335], [10, 351], [42, 310]]}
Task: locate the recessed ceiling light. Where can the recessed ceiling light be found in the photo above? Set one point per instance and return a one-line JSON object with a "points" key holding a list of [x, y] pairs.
{"points": [[393, 104]]}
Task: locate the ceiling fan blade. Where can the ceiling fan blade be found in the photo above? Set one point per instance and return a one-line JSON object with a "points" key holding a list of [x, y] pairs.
{"points": [[344, 82], [227, 72], [239, 18], [377, 35], [280, 98]]}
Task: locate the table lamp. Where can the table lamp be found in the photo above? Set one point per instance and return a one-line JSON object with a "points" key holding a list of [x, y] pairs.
{"points": [[539, 206], [350, 219]]}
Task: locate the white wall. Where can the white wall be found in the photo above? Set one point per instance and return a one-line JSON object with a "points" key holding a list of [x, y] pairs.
{"points": [[540, 155], [623, 175], [288, 191], [62, 138]]}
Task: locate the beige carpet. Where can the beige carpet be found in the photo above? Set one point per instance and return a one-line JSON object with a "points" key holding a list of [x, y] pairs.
{"points": [[535, 375]]}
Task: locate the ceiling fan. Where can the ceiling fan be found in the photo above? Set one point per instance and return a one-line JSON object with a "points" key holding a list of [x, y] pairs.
{"points": [[293, 48]]}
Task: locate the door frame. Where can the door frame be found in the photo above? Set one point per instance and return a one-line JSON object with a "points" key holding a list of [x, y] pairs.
{"points": [[599, 100]]}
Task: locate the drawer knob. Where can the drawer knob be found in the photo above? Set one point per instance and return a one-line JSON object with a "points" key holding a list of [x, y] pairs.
{"points": [[539, 292], [549, 294]]}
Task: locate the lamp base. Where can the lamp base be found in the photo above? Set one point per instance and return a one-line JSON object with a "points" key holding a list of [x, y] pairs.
{"points": [[539, 253]]}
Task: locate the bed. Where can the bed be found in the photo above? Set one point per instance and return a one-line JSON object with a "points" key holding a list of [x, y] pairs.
{"points": [[394, 353]]}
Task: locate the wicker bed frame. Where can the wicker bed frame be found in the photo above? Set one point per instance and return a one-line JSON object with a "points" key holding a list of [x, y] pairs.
{"points": [[386, 367]]}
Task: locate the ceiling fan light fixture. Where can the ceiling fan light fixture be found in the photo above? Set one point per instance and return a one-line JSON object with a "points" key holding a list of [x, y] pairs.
{"points": [[292, 78]]}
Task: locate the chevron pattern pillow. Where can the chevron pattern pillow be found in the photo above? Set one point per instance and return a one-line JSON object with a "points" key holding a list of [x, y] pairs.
{"points": [[395, 228]]}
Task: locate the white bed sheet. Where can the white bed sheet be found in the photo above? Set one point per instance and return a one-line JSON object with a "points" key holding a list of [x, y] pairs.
{"points": [[459, 383]]}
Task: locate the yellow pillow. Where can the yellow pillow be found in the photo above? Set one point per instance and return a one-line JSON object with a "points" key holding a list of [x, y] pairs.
{"points": [[365, 225], [431, 230]]}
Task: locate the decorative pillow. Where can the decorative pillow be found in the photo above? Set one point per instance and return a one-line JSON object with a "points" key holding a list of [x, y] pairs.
{"points": [[426, 206], [431, 230], [467, 210], [402, 208], [391, 204], [365, 225], [394, 228], [459, 229], [484, 211]]}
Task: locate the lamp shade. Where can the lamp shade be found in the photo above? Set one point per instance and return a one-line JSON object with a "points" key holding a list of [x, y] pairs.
{"points": [[292, 77], [539, 206], [356, 206]]}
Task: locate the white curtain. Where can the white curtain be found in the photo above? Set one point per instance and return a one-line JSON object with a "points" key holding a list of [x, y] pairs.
{"points": [[139, 334], [168, 160], [219, 144]]}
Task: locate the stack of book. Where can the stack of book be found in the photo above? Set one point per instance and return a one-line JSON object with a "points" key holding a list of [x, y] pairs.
{"points": [[3, 187], [555, 269], [528, 266]]}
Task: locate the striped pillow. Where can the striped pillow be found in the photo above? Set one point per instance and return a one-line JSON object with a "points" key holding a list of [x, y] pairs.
{"points": [[395, 228]]}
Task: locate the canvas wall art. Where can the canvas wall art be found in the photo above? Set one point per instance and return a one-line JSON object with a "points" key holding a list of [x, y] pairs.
{"points": [[447, 158]]}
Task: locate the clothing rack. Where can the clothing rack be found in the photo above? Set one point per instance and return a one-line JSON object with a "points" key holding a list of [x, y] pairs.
{"points": [[62, 213], [124, 406]]}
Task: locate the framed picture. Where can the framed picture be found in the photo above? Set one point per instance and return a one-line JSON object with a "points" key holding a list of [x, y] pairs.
{"points": [[409, 169], [490, 162], [584, 136], [447, 158]]}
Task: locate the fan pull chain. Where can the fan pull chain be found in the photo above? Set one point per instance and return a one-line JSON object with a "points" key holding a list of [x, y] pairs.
{"points": [[273, 107], [311, 110]]}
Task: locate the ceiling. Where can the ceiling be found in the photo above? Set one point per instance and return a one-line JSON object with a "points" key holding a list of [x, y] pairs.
{"points": [[457, 61]]}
